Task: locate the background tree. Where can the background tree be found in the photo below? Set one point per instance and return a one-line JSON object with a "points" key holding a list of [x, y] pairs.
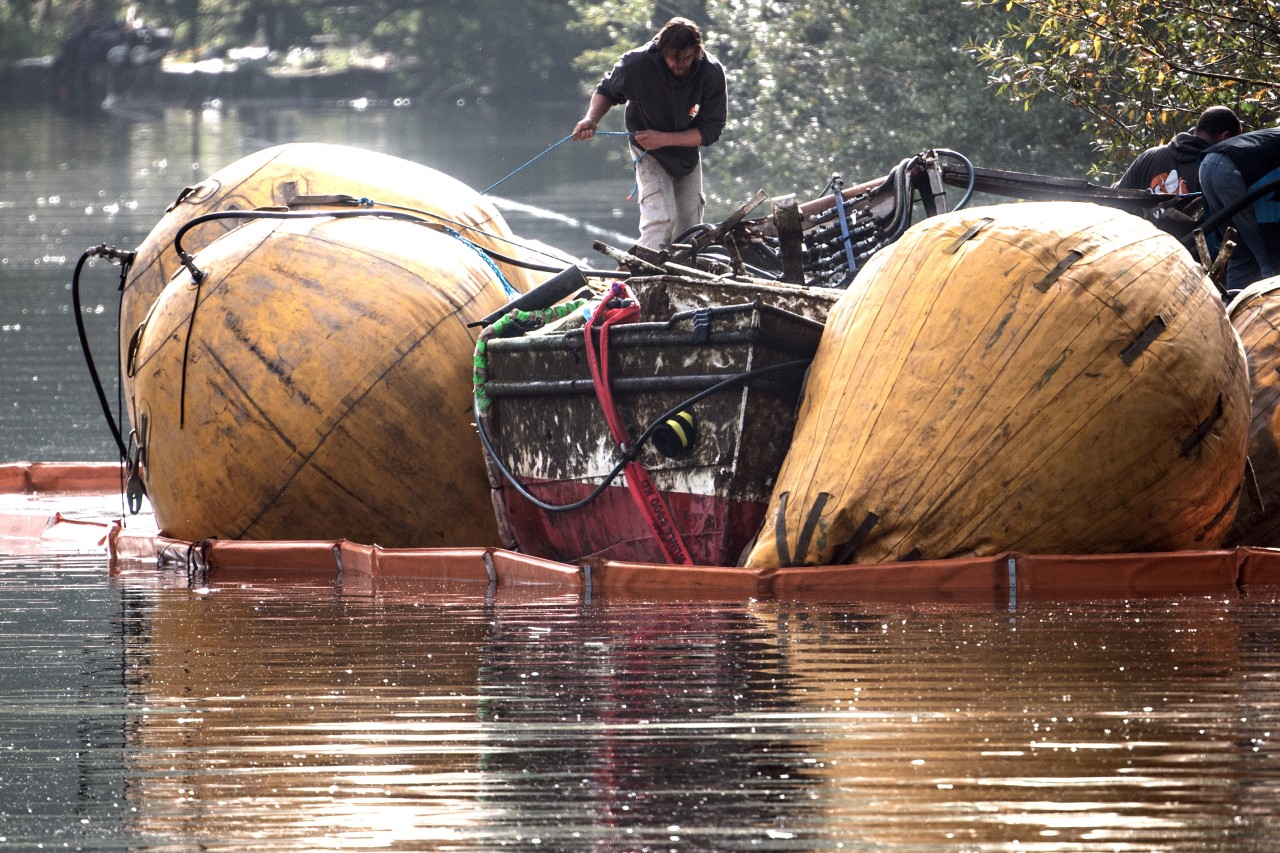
{"points": [[507, 48], [823, 86], [1139, 71]]}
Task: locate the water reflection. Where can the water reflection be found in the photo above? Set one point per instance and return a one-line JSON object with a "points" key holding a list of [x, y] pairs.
{"points": [[407, 721], [62, 705], [1065, 727], [311, 719]]}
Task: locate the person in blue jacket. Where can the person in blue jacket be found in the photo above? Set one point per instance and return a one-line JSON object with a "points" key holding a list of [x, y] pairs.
{"points": [[1228, 172], [676, 100]]}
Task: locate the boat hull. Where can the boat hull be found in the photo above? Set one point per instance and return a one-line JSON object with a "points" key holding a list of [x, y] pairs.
{"points": [[551, 435], [714, 527]]}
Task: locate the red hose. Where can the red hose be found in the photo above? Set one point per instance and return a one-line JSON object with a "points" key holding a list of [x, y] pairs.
{"points": [[653, 509]]}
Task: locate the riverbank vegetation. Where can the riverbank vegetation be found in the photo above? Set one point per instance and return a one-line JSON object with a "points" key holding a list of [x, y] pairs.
{"points": [[1066, 87], [1138, 72]]}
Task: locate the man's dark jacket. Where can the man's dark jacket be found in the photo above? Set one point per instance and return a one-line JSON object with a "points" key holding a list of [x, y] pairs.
{"points": [[658, 100], [1256, 155]]}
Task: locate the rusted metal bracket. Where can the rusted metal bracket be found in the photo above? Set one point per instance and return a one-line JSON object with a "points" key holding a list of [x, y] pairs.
{"points": [[715, 235]]}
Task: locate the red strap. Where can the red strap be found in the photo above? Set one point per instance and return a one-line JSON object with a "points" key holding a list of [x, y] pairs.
{"points": [[648, 499]]}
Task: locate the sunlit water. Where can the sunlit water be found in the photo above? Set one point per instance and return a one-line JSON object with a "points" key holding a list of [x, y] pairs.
{"points": [[142, 711]]}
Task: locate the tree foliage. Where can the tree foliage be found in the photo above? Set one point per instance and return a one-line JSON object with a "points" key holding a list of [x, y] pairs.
{"points": [[849, 86], [467, 46], [1139, 71], [816, 86]]}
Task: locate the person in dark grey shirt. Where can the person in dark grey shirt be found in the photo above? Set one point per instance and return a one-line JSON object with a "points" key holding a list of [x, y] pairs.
{"points": [[676, 101], [1174, 167]]}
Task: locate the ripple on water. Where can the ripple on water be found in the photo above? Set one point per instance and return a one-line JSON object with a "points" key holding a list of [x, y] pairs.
{"points": [[314, 719]]}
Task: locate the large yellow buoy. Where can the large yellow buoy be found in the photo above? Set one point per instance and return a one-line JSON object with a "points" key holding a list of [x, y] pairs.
{"points": [[1255, 314], [316, 384], [276, 176], [1050, 377]]}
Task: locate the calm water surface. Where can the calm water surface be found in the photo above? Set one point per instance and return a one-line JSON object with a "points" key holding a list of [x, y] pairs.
{"points": [[145, 713], [141, 711]]}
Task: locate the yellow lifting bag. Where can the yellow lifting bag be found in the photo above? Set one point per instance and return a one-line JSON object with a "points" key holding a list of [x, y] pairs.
{"points": [[1255, 313], [1054, 377]]}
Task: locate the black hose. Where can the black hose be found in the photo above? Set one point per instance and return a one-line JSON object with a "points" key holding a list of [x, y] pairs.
{"points": [[126, 258], [636, 446], [901, 201], [403, 215], [690, 231], [973, 174]]}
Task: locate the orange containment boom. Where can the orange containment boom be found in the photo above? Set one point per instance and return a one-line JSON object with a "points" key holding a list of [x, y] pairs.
{"points": [[1004, 580]]}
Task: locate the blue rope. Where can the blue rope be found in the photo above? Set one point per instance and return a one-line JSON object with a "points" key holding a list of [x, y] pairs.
{"points": [[506, 285], [552, 148], [844, 231]]}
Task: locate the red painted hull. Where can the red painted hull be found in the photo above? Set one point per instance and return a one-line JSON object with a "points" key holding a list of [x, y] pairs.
{"points": [[715, 529]]}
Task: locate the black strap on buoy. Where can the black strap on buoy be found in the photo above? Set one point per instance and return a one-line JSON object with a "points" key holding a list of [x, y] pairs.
{"points": [[1055, 273], [1153, 330], [811, 524], [846, 552], [1202, 429]]}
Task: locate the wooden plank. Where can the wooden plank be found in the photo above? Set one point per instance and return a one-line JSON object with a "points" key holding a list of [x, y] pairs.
{"points": [[790, 224]]}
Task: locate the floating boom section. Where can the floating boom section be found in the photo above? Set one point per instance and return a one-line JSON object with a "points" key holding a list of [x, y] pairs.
{"points": [[1053, 377], [317, 385]]}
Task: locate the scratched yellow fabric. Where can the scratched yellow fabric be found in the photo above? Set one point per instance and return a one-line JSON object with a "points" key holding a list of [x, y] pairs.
{"points": [[317, 385], [276, 176], [1054, 377], [1255, 314]]}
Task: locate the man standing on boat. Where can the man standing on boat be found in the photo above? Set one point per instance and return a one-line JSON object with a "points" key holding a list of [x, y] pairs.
{"points": [[676, 103]]}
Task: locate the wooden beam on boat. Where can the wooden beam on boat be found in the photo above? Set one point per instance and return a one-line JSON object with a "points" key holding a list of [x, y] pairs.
{"points": [[790, 224], [637, 265], [683, 253]]}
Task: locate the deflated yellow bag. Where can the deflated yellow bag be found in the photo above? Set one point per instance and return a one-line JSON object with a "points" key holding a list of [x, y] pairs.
{"points": [[1051, 377]]}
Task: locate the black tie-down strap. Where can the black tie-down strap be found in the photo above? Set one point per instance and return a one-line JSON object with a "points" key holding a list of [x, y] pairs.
{"points": [[848, 549], [1153, 330], [842, 554], [1202, 429], [806, 532]]}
